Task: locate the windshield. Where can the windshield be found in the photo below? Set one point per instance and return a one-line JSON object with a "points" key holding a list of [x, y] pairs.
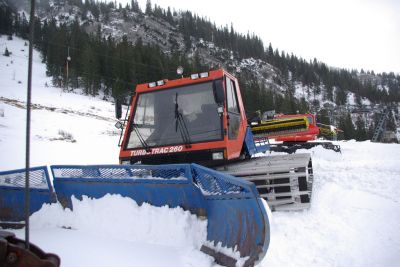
{"points": [[310, 120], [156, 122]]}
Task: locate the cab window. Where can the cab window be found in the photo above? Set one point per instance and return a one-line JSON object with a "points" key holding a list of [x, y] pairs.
{"points": [[233, 109], [231, 96]]}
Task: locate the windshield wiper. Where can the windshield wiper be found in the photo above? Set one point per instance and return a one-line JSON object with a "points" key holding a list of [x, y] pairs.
{"points": [[181, 124], [141, 139]]}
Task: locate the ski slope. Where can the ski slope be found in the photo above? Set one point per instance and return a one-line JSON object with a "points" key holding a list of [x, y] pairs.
{"points": [[354, 219]]}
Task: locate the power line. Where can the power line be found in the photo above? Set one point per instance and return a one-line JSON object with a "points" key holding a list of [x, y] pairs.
{"points": [[28, 124]]}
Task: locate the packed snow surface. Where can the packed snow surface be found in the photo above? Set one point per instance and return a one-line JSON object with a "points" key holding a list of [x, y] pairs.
{"points": [[354, 219], [115, 231], [64, 125]]}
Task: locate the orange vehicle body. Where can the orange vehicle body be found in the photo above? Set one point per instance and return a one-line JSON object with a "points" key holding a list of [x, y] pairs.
{"points": [[301, 136], [231, 147]]}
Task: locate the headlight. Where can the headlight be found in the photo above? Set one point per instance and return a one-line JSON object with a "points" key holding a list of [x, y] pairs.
{"points": [[204, 75], [194, 76], [217, 156]]}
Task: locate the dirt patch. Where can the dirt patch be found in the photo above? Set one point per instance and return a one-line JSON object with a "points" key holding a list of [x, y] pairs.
{"points": [[111, 133], [22, 105]]}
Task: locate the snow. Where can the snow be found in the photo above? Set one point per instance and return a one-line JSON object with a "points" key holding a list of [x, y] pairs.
{"points": [[115, 231], [351, 100], [89, 120], [354, 219], [121, 219]]}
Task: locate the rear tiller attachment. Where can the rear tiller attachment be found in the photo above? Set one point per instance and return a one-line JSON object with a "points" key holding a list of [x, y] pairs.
{"points": [[284, 181]]}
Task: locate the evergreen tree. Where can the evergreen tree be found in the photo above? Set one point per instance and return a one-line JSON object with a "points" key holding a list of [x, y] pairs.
{"points": [[119, 65], [341, 97], [6, 20], [122, 66], [346, 124], [170, 18], [135, 6], [370, 131], [90, 68], [323, 117], [361, 131], [149, 10], [24, 31], [6, 53], [303, 106], [38, 34]]}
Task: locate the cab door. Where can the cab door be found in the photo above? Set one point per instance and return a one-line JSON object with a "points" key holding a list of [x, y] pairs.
{"points": [[233, 119]]}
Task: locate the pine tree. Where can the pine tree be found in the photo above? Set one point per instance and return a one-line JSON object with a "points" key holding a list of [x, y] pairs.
{"points": [[135, 6], [122, 66], [341, 96], [38, 33], [323, 117], [346, 124], [370, 131], [170, 18], [303, 106], [90, 68], [6, 20], [106, 64], [51, 49], [149, 10], [147, 62], [360, 132], [24, 32], [6, 53]]}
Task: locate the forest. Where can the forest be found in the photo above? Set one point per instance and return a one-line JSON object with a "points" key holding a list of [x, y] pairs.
{"points": [[98, 63]]}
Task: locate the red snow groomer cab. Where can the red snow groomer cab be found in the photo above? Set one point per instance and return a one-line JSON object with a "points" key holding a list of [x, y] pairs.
{"points": [[310, 133], [291, 132], [195, 119], [201, 119]]}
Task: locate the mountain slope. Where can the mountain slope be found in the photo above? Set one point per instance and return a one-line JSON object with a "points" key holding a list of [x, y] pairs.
{"points": [[53, 134], [125, 46], [353, 220]]}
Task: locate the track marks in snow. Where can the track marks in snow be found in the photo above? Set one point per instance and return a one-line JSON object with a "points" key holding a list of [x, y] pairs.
{"points": [[354, 219], [22, 105]]}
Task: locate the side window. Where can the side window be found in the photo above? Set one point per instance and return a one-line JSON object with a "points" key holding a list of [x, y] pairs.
{"points": [[310, 120], [233, 110], [231, 96]]}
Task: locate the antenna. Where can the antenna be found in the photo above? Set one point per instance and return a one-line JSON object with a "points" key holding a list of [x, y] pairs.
{"points": [[28, 121]]}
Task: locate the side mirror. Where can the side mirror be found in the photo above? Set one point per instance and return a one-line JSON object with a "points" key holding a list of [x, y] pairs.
{"points": [[119, 125], [218, 89], [118, 108]]}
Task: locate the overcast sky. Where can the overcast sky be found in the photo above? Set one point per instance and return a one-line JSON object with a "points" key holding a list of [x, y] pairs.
{"points": [[350, 34]]}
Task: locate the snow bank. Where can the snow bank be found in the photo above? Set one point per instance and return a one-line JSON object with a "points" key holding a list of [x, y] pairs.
{"points": [[119, 217], [115, 231], [354, 219], [67, 128]]}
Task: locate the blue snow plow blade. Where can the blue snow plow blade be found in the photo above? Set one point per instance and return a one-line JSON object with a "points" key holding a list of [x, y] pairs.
{"points": [[12, 193], [235, 213]]}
